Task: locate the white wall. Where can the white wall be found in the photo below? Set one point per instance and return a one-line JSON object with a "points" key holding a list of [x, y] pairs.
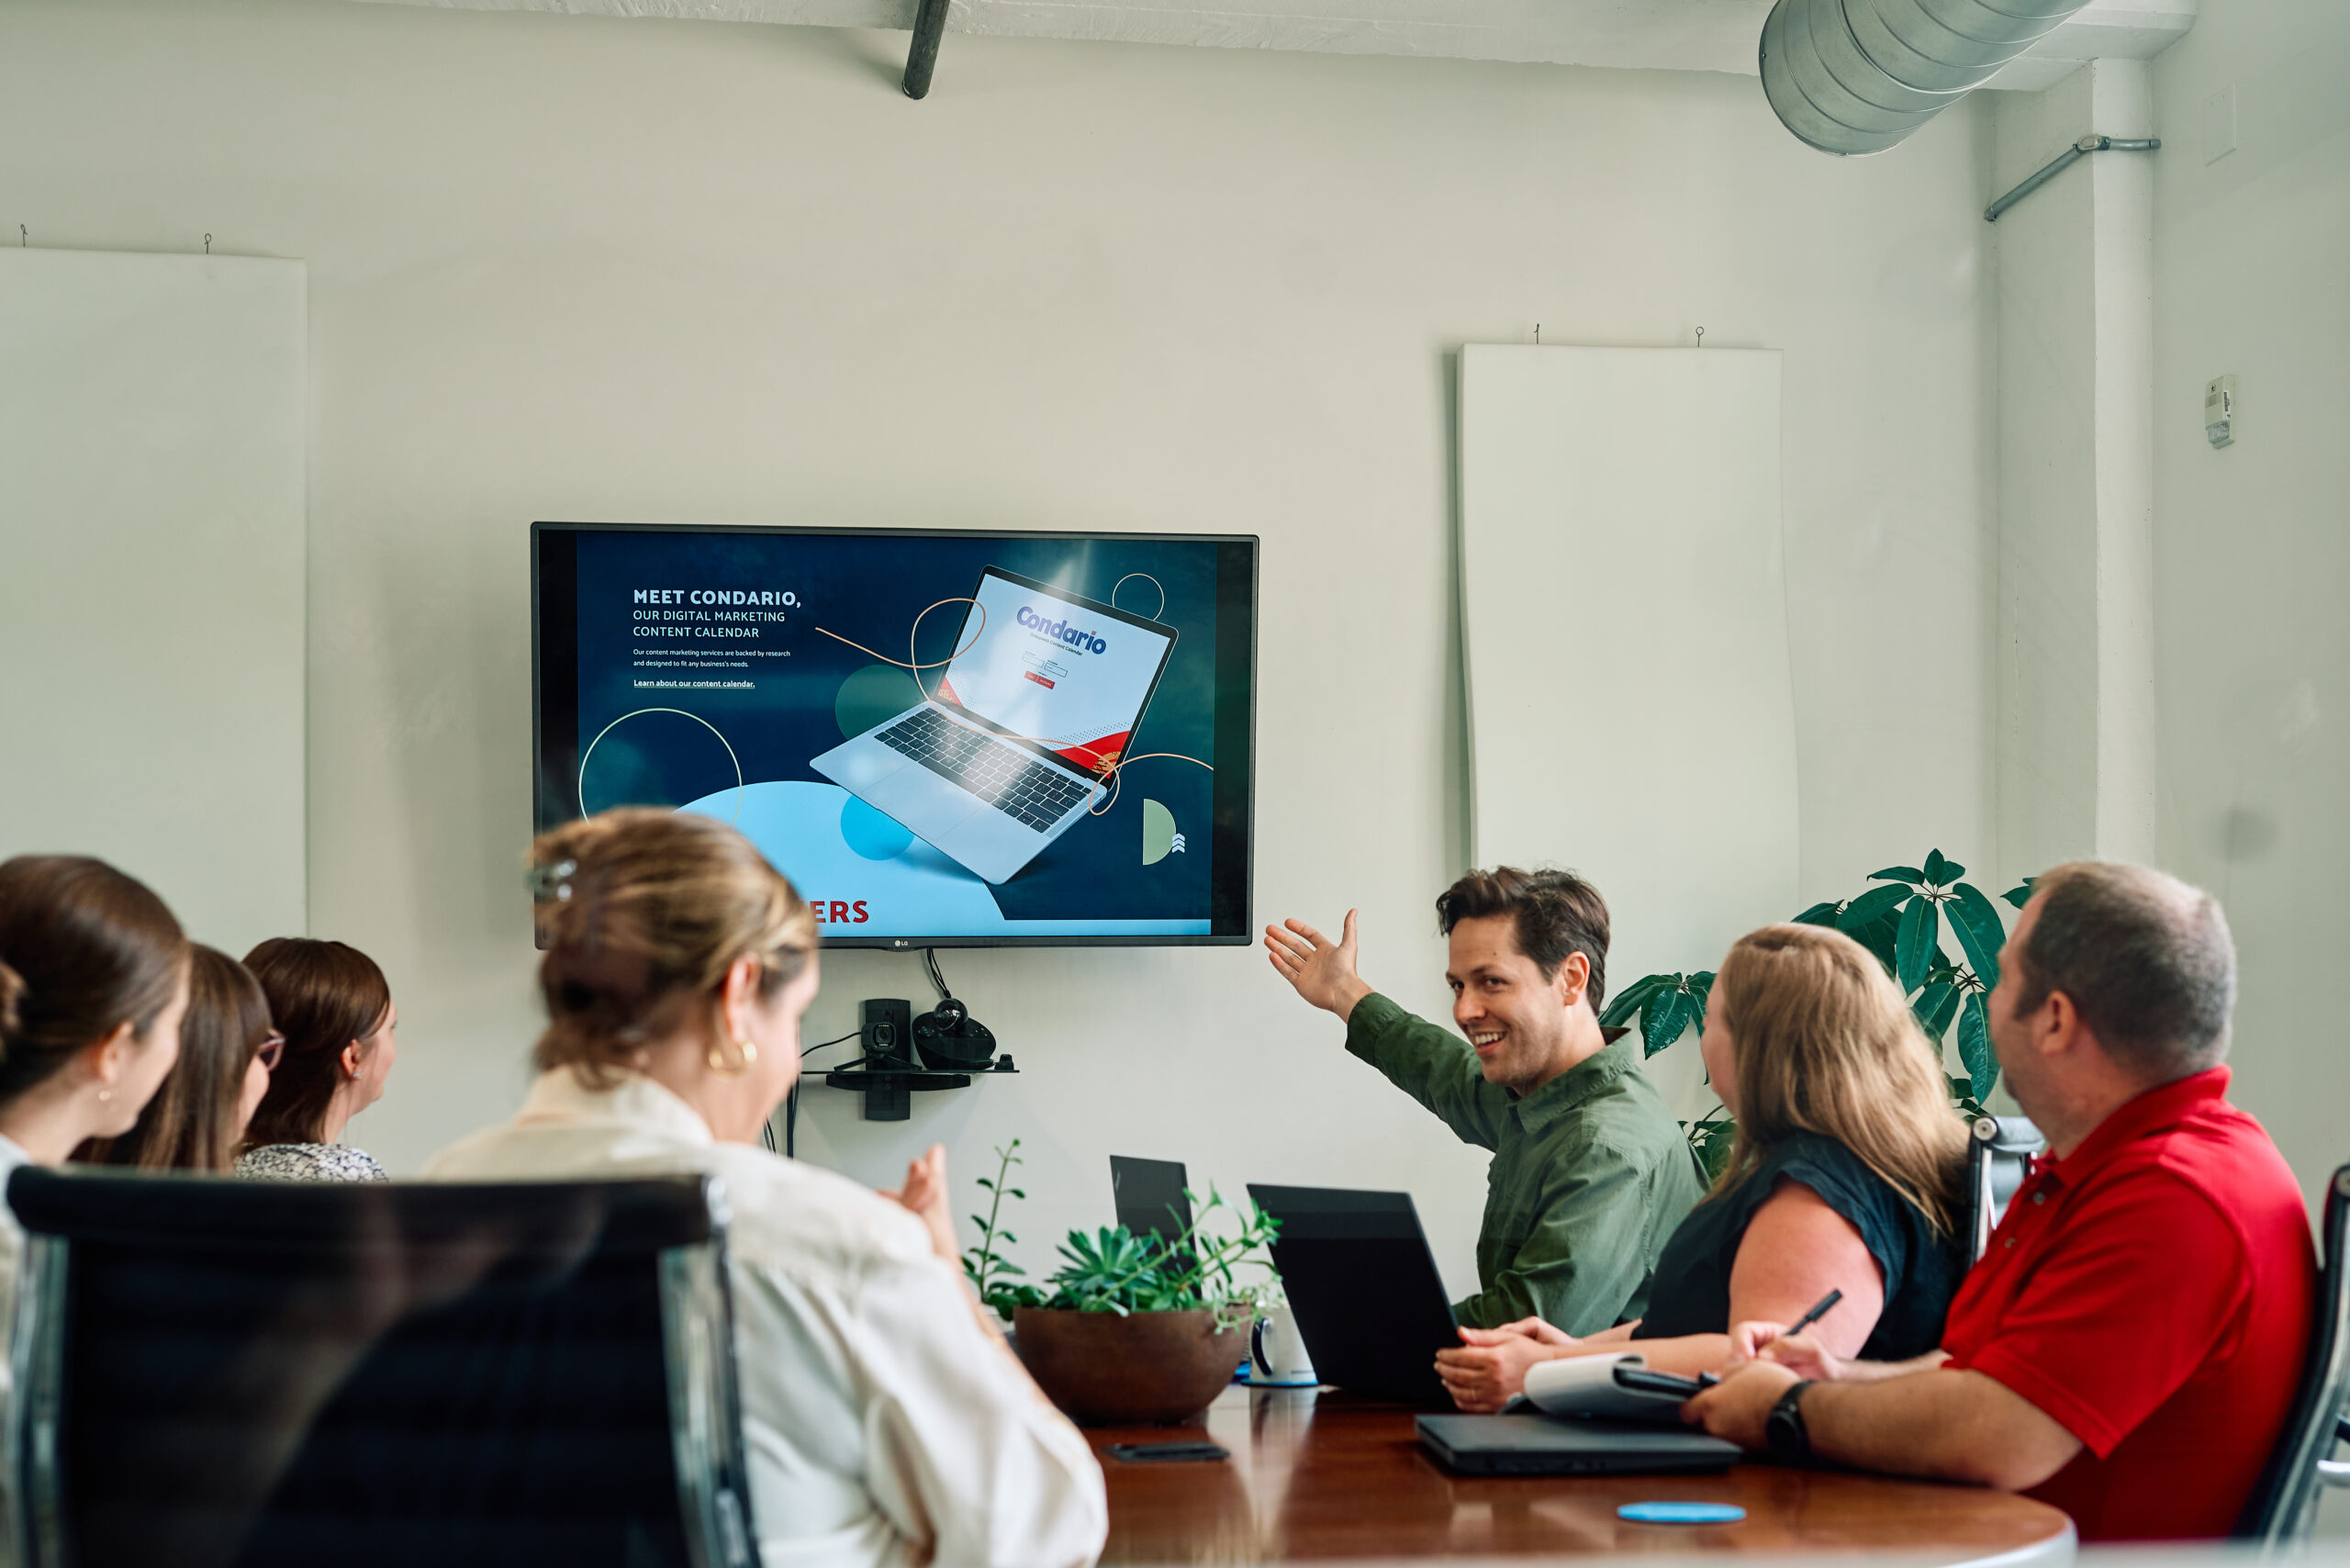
{"points": [[647, 271], [2077, 744], [2252, 250]]}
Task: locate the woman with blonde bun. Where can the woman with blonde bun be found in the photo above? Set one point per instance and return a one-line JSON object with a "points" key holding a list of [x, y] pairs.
{"points": [[1845, 1176], [887, 1422]]}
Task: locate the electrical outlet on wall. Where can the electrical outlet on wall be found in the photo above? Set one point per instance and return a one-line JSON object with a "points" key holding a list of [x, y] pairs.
{"points": [[2220, 410]]}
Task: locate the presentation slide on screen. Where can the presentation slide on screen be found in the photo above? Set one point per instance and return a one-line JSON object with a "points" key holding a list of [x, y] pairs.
{"points": [[931, 735]]}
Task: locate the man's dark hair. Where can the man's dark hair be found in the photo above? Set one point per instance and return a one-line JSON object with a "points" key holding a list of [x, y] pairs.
{"points": [[1553, 912], [2146, 958]]}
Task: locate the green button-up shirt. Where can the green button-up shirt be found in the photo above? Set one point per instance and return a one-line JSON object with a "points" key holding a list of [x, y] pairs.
{"points": [[1590, 1173]]}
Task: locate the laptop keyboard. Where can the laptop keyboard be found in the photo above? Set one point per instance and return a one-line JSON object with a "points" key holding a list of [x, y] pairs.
{"points": [[1002, 776]]}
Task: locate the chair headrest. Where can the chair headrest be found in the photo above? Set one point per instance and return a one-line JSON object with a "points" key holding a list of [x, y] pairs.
{"points": [[214, 1213]]}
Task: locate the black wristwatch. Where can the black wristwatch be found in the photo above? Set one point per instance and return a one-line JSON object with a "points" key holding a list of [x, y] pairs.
{"points": [[1784, 1429]]}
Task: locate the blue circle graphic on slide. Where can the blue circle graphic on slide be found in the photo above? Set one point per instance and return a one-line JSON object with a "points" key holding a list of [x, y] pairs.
{"points": [[874, 835], [656, 756]]}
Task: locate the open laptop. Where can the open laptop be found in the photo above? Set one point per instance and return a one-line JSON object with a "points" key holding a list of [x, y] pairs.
{"points": [[1358, 1275], [1045, 692], [1551, 1445], [1151, 1196]]}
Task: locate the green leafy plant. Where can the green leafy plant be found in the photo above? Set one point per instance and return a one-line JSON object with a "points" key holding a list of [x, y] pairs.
{"points": [[1902, 919], [1112, 1269]]}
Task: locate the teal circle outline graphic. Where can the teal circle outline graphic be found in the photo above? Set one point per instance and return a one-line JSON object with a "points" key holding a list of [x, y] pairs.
{"points": [[581, 789]]}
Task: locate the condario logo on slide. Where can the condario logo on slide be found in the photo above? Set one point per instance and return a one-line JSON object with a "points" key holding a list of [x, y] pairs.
{"points": [[1061, 631]]}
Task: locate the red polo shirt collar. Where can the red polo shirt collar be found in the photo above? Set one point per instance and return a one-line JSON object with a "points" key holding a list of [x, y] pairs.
{"points": [[2155, 1109]]}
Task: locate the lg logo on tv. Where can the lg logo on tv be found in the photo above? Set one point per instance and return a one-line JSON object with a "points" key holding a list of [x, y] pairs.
{"points": [[838, 912], [1061, 631]]}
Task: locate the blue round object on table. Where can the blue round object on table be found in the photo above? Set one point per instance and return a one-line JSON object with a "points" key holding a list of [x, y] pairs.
{"points": [[1681, 1513]]}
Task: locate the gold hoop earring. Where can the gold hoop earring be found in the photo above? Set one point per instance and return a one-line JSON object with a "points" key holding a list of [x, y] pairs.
{"points": [[719, 1064]]}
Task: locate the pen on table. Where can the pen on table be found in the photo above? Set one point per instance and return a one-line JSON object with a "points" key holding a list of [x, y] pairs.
{"points": [[1819, 1310]]}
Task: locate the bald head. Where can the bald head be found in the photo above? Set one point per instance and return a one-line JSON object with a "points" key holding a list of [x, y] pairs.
{"points": [[2146, 960]]}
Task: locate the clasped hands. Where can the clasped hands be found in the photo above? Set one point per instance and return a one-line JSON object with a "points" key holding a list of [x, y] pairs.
{"points": [[1491, 1365]]}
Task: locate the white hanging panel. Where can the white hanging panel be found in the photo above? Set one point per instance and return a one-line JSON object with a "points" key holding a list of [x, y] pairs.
{"points": [[1630, 708], [152, 542]]}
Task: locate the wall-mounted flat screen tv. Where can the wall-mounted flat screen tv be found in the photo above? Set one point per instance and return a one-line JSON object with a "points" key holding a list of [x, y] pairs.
{"points": [[942, 738]]}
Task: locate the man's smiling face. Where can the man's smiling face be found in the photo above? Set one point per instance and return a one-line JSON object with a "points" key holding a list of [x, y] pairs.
{"points": [[1515, 1020]]}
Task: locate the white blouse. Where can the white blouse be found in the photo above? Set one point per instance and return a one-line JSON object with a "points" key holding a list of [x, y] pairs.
{"points": [[883, 1423]]}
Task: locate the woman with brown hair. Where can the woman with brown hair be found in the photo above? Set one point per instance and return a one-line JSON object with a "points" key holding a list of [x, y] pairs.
{"points": [[197, 1120], [887, 1422], [1845, 1175], [94, 977], [335, 1009]]}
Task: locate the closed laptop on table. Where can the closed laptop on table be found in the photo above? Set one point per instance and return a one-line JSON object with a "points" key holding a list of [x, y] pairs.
{"points": [[1532, 1444]]}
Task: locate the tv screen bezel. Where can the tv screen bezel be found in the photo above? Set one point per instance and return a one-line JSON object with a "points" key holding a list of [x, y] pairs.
{"points": [[554, 752]]}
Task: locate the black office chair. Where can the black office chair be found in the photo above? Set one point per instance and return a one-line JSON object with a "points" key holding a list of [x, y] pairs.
{"points": [[2283, 1508], [1996, 1162], [213, 1373]]}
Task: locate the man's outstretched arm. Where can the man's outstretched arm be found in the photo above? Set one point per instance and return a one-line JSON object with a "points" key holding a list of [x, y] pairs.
{"points": [[1431, 1064], [1948, 1426]]}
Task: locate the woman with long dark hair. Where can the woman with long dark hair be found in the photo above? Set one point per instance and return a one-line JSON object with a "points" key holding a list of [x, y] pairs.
{"points": [[93, 976], [334, 1007], [197, 1120]]}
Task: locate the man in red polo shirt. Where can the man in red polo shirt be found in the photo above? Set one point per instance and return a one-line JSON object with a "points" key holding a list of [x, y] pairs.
{"points": [[2129, 1347]]}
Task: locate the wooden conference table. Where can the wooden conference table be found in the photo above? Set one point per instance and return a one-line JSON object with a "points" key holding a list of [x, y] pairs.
{"points": [[1332, 1476]]}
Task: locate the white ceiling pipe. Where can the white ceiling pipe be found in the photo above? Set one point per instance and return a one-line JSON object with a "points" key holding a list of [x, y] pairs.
{"points": [[1854, 76]]}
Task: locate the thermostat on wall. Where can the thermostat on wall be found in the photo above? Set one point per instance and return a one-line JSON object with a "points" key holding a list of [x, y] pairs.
{"points": [[2220, 410]]}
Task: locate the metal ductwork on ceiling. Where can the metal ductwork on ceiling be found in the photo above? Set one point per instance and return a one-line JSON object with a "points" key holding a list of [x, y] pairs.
{"points": [[1854, 76]]}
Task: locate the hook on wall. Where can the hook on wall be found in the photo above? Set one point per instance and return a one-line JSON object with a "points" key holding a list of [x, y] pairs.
{"points": [[1701, 337], [208, 244], [1537, 334]]}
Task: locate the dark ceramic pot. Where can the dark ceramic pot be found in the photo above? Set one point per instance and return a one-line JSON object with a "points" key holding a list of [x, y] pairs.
{"points": [[1147, 1368]]}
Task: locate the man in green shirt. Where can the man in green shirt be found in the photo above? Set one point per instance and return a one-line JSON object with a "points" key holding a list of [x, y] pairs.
{"points": [[1590, 1173]]}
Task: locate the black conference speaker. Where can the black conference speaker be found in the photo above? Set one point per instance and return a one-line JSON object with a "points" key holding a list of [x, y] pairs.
{"points": [[952, 1040]]}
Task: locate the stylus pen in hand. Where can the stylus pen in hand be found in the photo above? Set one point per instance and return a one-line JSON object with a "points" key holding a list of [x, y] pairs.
{"points": [[1819, 1310]]}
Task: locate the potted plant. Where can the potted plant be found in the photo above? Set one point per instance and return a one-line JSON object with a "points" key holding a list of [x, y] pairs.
{"points": [[1130, 1330], [1900, 920]]}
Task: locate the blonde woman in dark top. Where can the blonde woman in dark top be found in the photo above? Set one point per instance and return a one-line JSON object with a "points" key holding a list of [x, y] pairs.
{"points": [[1846, 1175]]}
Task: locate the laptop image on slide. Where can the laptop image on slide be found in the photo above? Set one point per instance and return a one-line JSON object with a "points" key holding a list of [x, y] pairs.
{"points": [[1046, 689], [1360, 1279], [1150, 1197]]}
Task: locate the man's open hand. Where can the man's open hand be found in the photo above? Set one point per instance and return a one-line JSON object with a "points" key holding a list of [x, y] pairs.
{"points": [[1321, 970]]}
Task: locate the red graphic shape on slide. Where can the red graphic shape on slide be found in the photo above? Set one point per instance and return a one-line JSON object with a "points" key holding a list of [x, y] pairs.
{"points": [[1098, 756]]}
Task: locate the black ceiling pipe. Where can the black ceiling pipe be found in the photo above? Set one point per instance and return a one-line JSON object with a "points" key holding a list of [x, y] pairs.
{"points": [[921, 58]]}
